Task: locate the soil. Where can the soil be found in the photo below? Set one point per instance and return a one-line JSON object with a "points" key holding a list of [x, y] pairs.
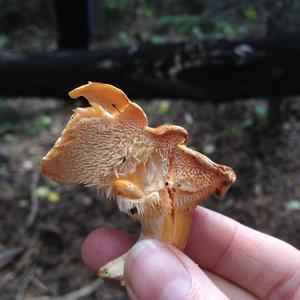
{"points": [[41, 235]]}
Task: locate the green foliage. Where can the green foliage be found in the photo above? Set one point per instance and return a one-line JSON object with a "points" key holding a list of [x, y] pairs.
{"points": [[43, 121], [158, 39], [259, 118], [261, 110], [10, 118], [225, 29], [250, 14], [147, 11], [7, 127], [198, 33], [293, 204], [4, 41], [234, 127], [3, 170], [44, 192], [124, 38], [164, 107], [126, 22], [39, 124], [53, 197], [200, 25], [229, 130], [262, 113], [247, 123], [23, 203], [11, 139], [185, 23], [15, 120], [115, 5]]}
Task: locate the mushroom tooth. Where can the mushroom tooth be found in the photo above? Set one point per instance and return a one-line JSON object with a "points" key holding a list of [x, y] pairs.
{"points": [[90, 149], [185, 200], [109, 192], [146, 207]]}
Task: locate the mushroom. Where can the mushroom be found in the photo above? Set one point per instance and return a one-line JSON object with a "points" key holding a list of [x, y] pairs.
{"points": [[150, 172]]}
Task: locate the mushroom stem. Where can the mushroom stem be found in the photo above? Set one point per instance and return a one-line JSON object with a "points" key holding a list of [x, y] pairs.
{"points": [[114, 269], [172, 228]]}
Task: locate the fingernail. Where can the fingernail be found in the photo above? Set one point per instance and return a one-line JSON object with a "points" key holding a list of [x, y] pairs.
{"points": [[153, 271]]}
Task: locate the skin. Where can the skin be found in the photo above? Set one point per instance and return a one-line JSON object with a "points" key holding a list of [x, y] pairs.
{"points": [[222, 260]]}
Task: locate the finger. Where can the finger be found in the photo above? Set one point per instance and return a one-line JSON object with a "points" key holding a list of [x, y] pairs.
{"points": [[154, 270], [104, 244], [233, 292], [263, 265]]}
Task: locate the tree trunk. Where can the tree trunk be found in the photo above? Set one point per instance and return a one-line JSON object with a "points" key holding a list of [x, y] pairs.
{"points": [[216, 70]]}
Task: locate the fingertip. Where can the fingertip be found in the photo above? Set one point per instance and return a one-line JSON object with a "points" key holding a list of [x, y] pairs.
{"points": [[92, 249], [154, 270], [104, 244]]}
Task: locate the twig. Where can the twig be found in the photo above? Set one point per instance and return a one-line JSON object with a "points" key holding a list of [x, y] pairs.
{"points": [[7, 278], [77, 294], [42, 287], [24, 250], [34, 200], [8, 255], [82, 292], [25, 258], [24, 284]]}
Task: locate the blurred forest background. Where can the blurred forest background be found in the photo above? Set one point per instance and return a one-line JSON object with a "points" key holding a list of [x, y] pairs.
{"points": [[42, 225]]}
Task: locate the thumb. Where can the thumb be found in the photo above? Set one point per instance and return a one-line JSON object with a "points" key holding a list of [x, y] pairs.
{"points": [[154, 270]]}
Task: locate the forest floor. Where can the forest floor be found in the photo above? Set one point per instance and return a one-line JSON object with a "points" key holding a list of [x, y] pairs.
{"points": [[42, 224]]}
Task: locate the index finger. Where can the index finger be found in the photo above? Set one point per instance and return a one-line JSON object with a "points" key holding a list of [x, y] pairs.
{"points": [[261, 264]]}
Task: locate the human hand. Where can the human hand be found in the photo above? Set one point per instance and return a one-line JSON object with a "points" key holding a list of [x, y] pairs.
{"points": [[223, 260]]}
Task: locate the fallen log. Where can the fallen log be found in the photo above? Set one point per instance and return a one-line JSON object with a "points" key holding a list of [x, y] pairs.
{"points": [[215, 70]]}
